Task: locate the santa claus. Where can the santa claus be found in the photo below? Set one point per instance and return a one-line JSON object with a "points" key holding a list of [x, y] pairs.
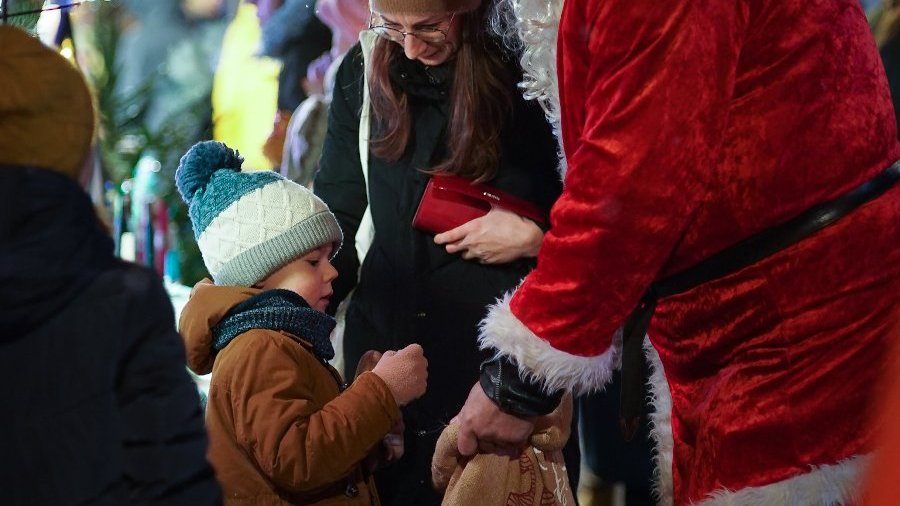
{"points": [[761, 128]]}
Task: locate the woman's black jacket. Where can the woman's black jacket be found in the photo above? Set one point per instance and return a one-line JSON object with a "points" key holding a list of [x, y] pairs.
{"points": [[411, 290]]}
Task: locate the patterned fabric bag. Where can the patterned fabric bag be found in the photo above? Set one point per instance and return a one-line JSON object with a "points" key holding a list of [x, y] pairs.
{"points": [[537, 477]]}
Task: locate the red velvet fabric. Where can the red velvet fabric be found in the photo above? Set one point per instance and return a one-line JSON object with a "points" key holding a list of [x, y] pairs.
{"points": [[688, 126], [882, 487]]}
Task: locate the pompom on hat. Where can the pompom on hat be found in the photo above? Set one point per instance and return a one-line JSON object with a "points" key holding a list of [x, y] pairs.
{"points": [[423, 6], [249, 224], [46, 111]]}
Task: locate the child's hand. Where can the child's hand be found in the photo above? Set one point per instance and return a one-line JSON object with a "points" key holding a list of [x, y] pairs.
{"points": [[367, 362], [393, 442], [389, 450], [405, 372]]}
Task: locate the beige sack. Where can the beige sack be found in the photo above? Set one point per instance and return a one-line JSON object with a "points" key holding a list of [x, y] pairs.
{"points": [[536, 478]]}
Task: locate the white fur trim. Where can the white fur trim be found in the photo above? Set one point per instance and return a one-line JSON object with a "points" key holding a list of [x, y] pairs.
{"points": [[828, 485], [534, 32], [537, 359], [661, 427]]}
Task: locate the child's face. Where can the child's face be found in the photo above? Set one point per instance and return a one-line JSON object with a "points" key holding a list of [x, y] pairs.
{"points": [[309, 276]]}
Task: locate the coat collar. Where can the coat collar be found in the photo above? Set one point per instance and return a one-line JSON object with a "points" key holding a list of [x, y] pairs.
{"points": [[208, 305], [417, 79]]}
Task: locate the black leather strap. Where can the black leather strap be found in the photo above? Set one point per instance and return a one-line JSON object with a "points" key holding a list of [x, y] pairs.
{"points": [[503, 384], [774, 239], [730, 260], [633, 392]]}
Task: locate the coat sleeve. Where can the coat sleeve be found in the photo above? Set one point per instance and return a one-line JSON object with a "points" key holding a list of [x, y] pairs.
{"points": [[164, 438], [642, 146], [340, 182], [299, 442]]}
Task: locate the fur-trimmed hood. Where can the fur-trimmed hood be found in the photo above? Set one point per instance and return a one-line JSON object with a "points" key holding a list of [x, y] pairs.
{"points": [[206, 308]]}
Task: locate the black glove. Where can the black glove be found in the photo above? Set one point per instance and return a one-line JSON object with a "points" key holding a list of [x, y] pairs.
{"points": [[503, 384]]}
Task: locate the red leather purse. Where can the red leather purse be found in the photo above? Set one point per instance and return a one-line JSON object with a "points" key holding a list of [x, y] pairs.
{"points": [[450, 201]]}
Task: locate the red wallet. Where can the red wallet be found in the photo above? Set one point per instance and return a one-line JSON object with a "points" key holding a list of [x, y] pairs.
{"points": [[450, 201]]}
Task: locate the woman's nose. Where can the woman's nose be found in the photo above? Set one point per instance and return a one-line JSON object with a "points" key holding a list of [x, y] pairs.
{"points": [[413, 47]]}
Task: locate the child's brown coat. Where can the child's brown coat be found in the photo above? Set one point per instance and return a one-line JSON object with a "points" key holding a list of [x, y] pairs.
{"points": [[281, 431]]}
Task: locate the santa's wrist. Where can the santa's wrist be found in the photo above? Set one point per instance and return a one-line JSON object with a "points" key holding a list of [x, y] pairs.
{"points": [[502, 383]]}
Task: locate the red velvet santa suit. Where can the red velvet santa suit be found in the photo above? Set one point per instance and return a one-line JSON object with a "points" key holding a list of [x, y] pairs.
{"points": [[882, 478], [688, 126]]}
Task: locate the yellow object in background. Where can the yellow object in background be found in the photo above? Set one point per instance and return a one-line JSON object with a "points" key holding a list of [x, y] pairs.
{"points": [[245, 91]]}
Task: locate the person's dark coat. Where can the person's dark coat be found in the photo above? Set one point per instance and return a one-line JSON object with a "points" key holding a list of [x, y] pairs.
{"points": [[98, 407], [296, 37], [410, 289]]}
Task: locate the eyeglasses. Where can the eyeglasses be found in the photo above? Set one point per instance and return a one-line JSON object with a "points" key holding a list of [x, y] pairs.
{"points": [[430, 34]]}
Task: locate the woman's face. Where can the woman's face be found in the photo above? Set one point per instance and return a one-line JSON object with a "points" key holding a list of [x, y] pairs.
{"points": [[428, 53]]}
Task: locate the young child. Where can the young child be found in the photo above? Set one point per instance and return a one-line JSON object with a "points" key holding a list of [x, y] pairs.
{"points": [[282, 429]]}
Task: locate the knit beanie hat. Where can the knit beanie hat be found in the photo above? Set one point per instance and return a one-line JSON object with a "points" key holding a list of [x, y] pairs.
{"points": [[249, 224], [423, 6], [46, 113]]}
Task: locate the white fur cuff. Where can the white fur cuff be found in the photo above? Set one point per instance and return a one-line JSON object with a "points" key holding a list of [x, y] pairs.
{"points": [[537, 359], [829, 485]]}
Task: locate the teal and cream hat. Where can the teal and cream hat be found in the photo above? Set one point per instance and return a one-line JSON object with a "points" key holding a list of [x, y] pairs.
{"points": [[249, 224]]}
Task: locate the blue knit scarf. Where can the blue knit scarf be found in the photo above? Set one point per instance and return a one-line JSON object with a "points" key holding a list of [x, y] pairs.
{"points": [[277, 310]]}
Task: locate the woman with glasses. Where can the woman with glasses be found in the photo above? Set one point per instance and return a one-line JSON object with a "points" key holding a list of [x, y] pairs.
{"points": [[443, 99]]}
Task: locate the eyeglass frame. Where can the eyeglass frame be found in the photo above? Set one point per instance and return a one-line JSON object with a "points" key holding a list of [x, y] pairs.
{"points": [[403, 34]]}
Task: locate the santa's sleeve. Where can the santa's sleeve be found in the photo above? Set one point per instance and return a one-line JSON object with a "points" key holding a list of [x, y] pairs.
{"points": [[660, 82]]}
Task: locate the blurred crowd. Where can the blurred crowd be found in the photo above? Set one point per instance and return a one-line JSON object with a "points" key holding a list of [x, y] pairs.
{"points": [[258, 75]]}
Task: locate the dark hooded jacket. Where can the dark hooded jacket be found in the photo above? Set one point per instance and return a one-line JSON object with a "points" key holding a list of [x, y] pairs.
{"points": [[99, 408]]}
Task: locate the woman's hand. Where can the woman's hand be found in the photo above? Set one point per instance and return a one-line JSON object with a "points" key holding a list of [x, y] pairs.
{"points": [[498, 237]]}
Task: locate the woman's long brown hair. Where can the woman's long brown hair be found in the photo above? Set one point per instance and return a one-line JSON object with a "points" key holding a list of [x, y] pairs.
{"points": [[479, 102]]}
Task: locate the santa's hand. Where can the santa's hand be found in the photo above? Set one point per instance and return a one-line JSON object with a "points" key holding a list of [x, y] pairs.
{"points": [[498, 237], [484, 428]]}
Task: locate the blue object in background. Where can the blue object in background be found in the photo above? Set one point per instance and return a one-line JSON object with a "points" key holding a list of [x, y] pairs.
{"points": [[868, 4]]}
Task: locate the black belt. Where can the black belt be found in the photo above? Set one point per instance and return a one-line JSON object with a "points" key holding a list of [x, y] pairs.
{"points": [[734, 258]]}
